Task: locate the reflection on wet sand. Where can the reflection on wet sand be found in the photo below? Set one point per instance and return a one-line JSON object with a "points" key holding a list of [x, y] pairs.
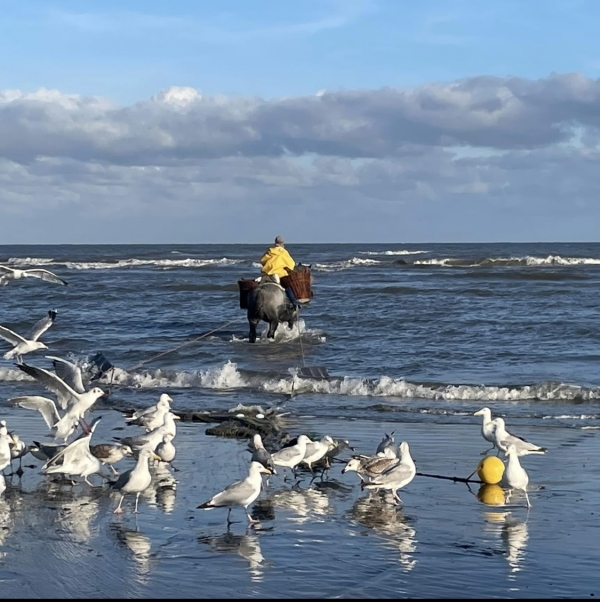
{"points": [[379, 514], [141, 548], [247, 546], [513, 534], [77, 509], [306, 504], [162, 489]]}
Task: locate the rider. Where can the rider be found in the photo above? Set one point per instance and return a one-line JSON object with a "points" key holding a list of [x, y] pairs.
{"points": [[274, 262]]}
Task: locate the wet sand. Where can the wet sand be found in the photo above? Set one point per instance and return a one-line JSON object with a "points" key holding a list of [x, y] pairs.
{"points": [[325, 539]]}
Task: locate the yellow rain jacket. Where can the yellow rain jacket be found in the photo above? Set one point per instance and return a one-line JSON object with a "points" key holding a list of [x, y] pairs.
{"points": [[275, 260]]}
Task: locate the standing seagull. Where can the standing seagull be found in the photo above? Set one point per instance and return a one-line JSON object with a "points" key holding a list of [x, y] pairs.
{"points": [[153, 438], [5, 443], [241, 493], [515, 476], [487, 427], [152, 417], [502, 439], [166, 451], [316, 450], [261, 455], [9, 274], [22, 345], [397, 476], [135, 480], [110, 453], [290, 457], [76, 404]]}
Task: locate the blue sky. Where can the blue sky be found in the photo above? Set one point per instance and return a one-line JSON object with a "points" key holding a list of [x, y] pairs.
{"points": [[392, 120]]}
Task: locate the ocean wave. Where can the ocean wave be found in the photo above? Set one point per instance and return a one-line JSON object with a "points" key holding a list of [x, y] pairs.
{"points": [[550, 260], [164, 264], [228, 376], [337, 266], [403, 252]]}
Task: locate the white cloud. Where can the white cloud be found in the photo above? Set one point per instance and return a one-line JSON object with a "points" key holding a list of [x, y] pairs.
{"points": [[376, 161]]}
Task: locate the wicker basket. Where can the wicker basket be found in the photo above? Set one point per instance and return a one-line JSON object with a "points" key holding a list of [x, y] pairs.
{"points": [[299, 282], [245, 285]]}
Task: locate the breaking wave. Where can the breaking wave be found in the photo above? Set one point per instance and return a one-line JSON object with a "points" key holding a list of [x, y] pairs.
{"points": [[553, 260], [164, 264]]}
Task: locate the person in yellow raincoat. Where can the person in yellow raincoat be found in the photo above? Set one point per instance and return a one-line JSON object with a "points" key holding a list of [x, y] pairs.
{"points": [[275, 261]]}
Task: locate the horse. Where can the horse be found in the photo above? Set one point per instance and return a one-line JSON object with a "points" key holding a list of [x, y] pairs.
{"points": [[268, 302]]}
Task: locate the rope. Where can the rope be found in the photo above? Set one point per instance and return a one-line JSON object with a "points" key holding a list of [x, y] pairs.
{"points": [[135, 366]]}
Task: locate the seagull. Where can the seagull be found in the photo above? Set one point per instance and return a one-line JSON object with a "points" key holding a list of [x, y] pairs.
{"points": [[5, 442], [75, 403], [396, 477], [290, 457], [45, 451], [77, 459], [487, 427], [315, 450], [18, 448], [110, 453], [165, 450], [9, 274], [386, 442], [241, 493], [135, 480], [371, 466], [502, 439], [152, 417], [22, 345], [153, 438], [515, 475], [261, 455]]}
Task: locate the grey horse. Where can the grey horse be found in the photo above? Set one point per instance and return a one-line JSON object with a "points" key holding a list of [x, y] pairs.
{"points": [[268, 302]]}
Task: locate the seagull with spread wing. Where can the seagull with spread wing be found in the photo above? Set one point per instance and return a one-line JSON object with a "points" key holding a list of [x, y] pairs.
{"points": [[8, 274], [75, 402], [22, 345], [77, 459]]}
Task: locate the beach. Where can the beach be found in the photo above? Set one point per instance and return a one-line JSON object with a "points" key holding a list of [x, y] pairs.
{"points": [[412, 347], [325, 539]]}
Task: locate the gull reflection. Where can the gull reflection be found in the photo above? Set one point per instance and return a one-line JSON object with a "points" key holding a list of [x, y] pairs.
{"points": [[77, 510], [6, 522], [162, 489], [141, 548], [513, 534], [378, 513], [307, 504], [247, 546]]}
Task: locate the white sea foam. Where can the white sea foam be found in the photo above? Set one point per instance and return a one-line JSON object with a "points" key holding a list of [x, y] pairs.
{"points": [[554, 260], [337, 266], [227, 376], [402, 252], [283, 333], [27, 261], [164, 264]]}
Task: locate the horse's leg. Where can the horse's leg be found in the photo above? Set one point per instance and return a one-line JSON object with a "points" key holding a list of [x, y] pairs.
{"points": [[273, 324], [253, 325]]}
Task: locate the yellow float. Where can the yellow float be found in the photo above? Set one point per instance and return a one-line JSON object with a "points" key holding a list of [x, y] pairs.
{"points": [[490, 470]]}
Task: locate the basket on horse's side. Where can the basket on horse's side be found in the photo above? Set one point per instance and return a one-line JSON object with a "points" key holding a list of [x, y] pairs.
{"points": [[299, 282], [245, 285]]}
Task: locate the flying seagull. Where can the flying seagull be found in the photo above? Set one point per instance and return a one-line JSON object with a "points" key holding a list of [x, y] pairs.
{"points": [[74, 403], [9, 274], [22, 345]]}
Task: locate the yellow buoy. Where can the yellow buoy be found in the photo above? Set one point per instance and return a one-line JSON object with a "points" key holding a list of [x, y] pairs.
{"points": [[490, 470], [492, 495]]}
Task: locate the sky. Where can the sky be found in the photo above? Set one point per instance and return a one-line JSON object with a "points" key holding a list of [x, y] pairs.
{"points": [[387, 121]]}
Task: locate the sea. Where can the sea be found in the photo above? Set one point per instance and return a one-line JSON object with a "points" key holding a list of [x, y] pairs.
{"points": [[409, 339]]}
